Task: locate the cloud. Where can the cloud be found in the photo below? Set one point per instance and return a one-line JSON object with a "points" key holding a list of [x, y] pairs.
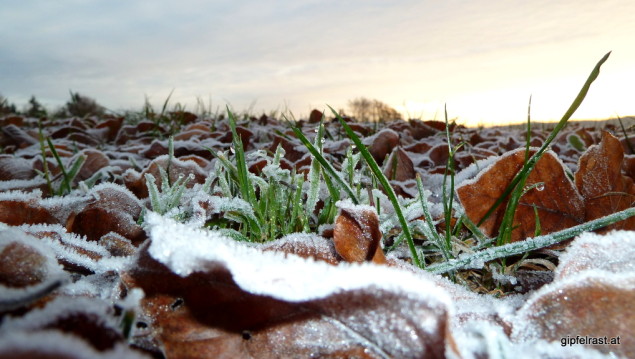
{"points": [[302, 53]]}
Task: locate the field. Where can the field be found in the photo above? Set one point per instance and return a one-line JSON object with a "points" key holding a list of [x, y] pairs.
{"points": [[181, 235]]}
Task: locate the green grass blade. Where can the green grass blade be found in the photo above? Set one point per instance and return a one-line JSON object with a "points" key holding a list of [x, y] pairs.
{"points": [[246, 188], [74, 170], [524, 172], [384, 182], [326, 166], [65, 186]]}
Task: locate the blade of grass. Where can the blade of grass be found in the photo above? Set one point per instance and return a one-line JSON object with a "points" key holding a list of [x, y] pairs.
{"points": [[326, 166], [387, 187], [477, 259], [524, 172]]}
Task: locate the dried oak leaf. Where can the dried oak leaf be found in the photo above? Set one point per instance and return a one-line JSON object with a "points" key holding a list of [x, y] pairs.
{"points": [[557, 201], [600, 181], [356, 236], [74, 252], [590, 304], [208, 296], [90, 319], [629, 166]]}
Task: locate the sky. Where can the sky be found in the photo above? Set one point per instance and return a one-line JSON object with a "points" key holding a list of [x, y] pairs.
{"points": [[482, 59]]}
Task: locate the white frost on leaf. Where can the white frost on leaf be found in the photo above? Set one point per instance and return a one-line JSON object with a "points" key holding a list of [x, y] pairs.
{"points": [[186, 250], [614, 252]]}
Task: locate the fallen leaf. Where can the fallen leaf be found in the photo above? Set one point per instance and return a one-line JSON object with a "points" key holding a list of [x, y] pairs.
{"points": [[115, 209], [592, 251], [51, 344], [305, 245], [399, 166], [589, 304], [15, 212], [381, 144], [221, 302], [12, 168], [356, 236], [95, 160], [136, 182], [28, 271], [558, 203], [293, 151], [315, 116], [600, 181]]}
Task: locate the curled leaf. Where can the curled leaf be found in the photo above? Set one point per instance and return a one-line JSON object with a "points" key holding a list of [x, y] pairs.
{"points": [[356, 236]]}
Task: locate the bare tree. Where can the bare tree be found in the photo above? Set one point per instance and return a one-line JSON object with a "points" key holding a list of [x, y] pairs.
{"points": [[364, 109]]}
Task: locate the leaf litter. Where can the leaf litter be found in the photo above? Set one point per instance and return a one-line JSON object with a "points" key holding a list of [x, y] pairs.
{"points": [[96, 273]]}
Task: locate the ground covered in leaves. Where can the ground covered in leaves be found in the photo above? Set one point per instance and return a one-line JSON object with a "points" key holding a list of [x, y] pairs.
{"points": [[92, 266]]}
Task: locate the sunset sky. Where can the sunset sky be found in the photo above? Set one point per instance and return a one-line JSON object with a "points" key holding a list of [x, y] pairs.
{"points": [[483, 58]]}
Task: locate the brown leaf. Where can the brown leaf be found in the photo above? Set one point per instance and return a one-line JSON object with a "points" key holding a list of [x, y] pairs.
{"points": [[600, 181], [629, 166], [12, 168], [50, 344], [95, 160], [613, 253], [558, 203], [21, 265], [305, 246], [381, 144], [28, 272], [357, 237], [136, 182], [399, 166], [315, 116], [587, 305], [113, 125], [292, 149], [117, 245], [15, 212], [115, 210], [211, 309]]}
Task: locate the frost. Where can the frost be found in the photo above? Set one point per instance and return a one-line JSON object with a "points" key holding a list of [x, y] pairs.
{"points": [[614, 252], [594, 303], [72, 248], [50, 271], [18, 184], [184, 250], [60, 307], [54, 344]]}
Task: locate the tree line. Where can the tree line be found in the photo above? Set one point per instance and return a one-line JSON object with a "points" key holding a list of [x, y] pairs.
{"points": [[78, 105]]}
